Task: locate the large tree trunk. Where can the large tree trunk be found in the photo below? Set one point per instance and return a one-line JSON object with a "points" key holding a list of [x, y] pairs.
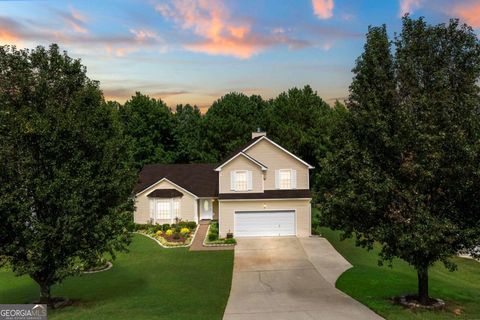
{"points": [[423, 286], [45, 296]]}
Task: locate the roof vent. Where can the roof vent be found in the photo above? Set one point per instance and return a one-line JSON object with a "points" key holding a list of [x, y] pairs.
{"points": [[258, 133]]}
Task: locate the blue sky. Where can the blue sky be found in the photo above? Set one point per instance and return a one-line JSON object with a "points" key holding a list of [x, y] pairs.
{"points": [[194, 51]]}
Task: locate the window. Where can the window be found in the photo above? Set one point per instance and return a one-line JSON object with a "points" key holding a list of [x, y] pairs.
{"points": [[286, 179], [176, 208], [205, 205], [241, 181], [164, 209]]}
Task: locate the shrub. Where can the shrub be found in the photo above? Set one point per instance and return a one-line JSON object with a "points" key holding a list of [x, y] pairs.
{"points": [[158, 233], [230, 241], [191, 225], [182, 224], [212, 236], [169, 232], [139, 226], [158, 227], [151, 229], [176, 236], [165, 226], [185, 231], [177, 228]]}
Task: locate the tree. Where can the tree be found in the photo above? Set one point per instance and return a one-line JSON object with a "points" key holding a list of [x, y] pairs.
{"points": [[187, 133], [65, 179], [406, 170], [149, 123], [229, 123], [296, 121]]}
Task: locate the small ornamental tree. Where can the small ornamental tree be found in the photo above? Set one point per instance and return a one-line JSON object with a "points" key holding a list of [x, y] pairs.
{"points": [[65, 178], [406, 169]]}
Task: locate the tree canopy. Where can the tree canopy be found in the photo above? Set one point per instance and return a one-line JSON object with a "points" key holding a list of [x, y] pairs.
{"points": [[406, 169], [66, 177], [149, 123], [230, 121]]}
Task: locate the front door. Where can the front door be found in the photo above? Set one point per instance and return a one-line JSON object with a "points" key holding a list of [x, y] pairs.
{"points": [[206, 210]]}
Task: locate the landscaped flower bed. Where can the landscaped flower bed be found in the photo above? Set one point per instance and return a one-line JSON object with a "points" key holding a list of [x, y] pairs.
{"points": [[213, 236], [170, 235]]}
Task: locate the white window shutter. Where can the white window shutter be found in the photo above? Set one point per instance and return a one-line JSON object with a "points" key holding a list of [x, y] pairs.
{"points": [[249, 180], [277, 179], [232, 180], [294, 179], [152, 208]]}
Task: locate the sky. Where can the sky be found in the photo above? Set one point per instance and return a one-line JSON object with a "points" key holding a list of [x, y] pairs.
{"points": [[195, 51]]}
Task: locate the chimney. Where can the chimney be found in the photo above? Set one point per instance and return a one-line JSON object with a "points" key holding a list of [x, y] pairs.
{"points": [[258, 133]]}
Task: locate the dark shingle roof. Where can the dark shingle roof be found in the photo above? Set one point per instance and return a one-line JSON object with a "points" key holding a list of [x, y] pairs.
{"points": [[165, 193], [198, 178], [268, 194]]}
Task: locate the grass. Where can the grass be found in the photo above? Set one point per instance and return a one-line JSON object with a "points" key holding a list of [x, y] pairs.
{"points": [[374, 285], [149, 282]]}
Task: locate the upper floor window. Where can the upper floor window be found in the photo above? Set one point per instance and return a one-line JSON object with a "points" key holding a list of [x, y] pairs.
{"points": [[241, 181], [286, 179]]}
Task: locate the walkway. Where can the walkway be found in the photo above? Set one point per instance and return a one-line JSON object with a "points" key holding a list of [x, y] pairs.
{"points": [[197, 244]]}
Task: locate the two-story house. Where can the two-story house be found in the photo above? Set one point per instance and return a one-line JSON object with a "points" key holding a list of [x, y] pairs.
{"points": [[261, 189]]}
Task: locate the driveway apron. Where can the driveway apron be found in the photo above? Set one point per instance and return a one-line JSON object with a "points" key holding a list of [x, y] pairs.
{"points": [[289, 278]]}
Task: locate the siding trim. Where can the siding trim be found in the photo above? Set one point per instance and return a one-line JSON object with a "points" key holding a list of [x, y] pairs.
{"points": [[246, 156], [265, 199], [165, 179], [281, 148]]}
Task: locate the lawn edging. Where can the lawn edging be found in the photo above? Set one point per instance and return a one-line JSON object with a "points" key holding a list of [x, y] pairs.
{"points": [[109, 266], [170, 247]]}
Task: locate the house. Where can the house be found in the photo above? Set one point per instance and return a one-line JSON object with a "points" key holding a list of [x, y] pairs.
{"points": [[261, 189]]}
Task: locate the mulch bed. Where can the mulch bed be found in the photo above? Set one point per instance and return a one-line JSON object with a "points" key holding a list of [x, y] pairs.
{"points": [[411, 301]]}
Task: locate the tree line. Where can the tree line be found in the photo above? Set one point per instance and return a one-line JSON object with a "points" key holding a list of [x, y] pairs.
{"points": [[397, 165], [298, 119]]}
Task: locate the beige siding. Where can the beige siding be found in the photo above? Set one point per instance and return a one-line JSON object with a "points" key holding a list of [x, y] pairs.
{"points": [[275, 159], [142, 211], [240, 163], [301, 207]]}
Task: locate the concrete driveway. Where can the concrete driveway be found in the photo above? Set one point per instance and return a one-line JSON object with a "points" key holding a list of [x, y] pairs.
{"points": [[288, 278]]}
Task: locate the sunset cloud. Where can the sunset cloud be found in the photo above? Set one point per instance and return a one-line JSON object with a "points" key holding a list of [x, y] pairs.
{"points": [[409, 6], [323, 9], [219, 32], [75, 19], [468, 12]]}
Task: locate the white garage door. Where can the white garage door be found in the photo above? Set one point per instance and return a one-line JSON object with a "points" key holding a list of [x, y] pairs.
{"points": [[264, 223]]}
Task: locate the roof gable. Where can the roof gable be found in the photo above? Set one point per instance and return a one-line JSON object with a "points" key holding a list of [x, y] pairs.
{"points": [[250, 158], [253, 142], [279, 147], [199, 180]]}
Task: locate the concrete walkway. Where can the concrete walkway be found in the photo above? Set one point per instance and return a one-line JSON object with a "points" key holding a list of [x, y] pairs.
{"points": [[197, 244], [288, 278]]}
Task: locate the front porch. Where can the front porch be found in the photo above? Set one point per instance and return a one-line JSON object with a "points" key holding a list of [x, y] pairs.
{"points": [[207, 209]]}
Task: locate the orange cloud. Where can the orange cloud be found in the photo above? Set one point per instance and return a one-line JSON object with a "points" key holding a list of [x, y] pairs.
{"points": [[323, 9], [408, 6], [212, 21], [469, 12], [8, 37]]}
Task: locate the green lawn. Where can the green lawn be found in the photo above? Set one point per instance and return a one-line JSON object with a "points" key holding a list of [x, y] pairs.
{"points": [[147, 283], [374, 285]]}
